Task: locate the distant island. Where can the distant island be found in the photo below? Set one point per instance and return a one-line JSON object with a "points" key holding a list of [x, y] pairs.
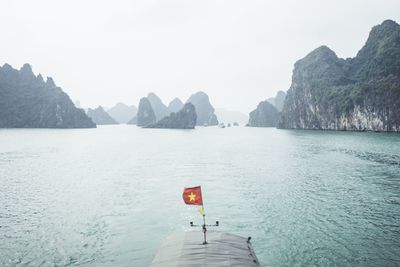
{"points": [[358, 94], [27, 101], [267, 113], [100, 116], [152, 113], [145, 115], [327, 93], [184, 119], [152, 104], [159, 108], [175, 105], [122, 113], [204, 109]]}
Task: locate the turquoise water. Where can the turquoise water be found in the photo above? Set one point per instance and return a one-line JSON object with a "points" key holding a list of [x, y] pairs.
{"points": [[109, 196]]}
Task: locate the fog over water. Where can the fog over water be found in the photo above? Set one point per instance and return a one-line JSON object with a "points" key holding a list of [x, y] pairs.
{"points": [[239, 52]]}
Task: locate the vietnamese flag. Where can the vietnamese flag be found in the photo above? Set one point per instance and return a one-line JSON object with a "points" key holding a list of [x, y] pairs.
{"points": [[192, 196]]}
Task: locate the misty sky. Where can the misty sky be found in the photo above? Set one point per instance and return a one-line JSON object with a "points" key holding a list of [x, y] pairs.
{"points": [[239, 52]]}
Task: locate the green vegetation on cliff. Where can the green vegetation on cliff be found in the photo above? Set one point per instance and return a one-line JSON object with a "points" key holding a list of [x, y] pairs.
{"points": [[27, 101], [360, 93]]}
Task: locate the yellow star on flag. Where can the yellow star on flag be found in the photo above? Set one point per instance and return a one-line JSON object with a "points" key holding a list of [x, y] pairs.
{"points": [[192, 197]]}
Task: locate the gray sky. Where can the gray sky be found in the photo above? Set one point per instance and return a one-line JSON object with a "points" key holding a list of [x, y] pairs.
{"points": [[239, 52]]}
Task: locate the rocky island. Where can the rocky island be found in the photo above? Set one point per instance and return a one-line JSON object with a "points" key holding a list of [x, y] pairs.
{"points": [[145, 115], [204, 109], [360, 93], [267, 112], [265, 115], [152, 113], [183, 119], [159, 108], [100, 116], [27, 101]]}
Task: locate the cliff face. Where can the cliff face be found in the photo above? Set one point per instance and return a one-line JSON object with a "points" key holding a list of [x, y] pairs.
{"points": [[183, 119], [204, 109], [160, 110], [145, 115], [361, 93], [100, 116], [26, 101], [278, 100], [266, 115]]}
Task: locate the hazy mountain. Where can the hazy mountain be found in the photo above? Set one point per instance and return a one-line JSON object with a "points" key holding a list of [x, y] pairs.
{"points": [[361, 93], [100, 116], [26, 101], [231, 116], [266, 115], [145, 115], [278, 100], [204, 109], [183, 119], [132, 121], [175, 105], [122, 113], [160, 110]]}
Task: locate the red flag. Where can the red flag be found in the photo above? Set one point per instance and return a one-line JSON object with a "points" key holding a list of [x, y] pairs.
{"points": [[192, 196]]}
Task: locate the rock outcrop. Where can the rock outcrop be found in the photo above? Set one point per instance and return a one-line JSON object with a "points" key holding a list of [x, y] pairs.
{"points": [[278, 100], [160, 110], [122, 113], [175, 105], [266, 115], [204, 109], [26, 101], [145, 115], [183, 119], [361, 93], [100, 116]]}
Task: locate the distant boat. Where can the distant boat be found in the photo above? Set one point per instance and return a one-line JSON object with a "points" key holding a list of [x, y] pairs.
{"points": [[221, 125], [222, 249]]}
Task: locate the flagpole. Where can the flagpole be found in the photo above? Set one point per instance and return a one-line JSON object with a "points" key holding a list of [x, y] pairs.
{"points": [[190, 199], [204, 221], [204, 228]]}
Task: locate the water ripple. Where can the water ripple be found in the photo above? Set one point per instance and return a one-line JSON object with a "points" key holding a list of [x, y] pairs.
{"points": [[109, 196]]}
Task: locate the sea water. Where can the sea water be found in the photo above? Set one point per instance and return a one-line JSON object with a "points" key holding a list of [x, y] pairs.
{"points": [[109, 196]]}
